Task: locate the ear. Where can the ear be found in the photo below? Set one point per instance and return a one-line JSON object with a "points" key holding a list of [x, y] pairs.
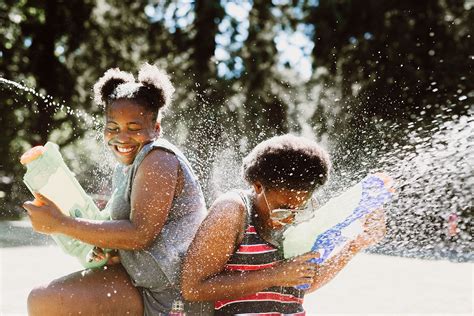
{"points": [[257, 186], [157, 128]]}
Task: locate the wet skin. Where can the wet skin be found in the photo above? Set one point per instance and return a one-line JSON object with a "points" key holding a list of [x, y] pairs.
{"points": [[267, 200], [205, 277], [128, 127]]}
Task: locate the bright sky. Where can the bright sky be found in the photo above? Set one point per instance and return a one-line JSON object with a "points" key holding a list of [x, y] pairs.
{"points": [[294, 48]]}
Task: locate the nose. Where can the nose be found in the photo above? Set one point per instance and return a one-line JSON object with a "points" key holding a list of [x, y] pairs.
{"points": [[122, 137]]}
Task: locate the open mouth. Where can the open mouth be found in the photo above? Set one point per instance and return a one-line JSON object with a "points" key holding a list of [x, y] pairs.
{"points": [[125, 150]]}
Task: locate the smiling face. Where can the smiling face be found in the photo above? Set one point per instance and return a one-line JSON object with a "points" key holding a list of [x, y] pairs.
{"points": [[128, 127]]}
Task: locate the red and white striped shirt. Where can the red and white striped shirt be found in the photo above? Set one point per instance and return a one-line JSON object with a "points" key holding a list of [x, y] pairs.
{"points": [[254, 253]]}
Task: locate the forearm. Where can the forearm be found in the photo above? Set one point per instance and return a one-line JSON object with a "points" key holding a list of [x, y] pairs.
{"points": [[330, 268], [116, 234], [229, 285]]}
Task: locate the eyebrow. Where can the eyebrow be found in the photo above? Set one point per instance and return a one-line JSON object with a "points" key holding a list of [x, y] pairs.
{"points": [[129, 123]]}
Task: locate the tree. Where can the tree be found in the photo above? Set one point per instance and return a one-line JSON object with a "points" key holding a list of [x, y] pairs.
{"points": [[395, 60], [264, 111], [35, 39]]}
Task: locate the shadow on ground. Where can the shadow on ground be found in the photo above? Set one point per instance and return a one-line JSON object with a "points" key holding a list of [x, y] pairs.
{"points": [[20, 233]]}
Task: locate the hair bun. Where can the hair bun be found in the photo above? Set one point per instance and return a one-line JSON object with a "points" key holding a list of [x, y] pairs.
{"points": [[106, 85], [152, 76]]}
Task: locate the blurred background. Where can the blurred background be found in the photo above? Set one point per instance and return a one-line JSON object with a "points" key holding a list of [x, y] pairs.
{"points": [[384, 85]]}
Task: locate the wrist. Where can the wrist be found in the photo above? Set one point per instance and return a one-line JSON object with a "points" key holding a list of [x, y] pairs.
{"points": [[354, 247], [270, 276], [64, 223]]}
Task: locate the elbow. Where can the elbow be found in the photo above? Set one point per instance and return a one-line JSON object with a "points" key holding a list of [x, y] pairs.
{"points": [[190, 296], [190, 293], [190, 288]]}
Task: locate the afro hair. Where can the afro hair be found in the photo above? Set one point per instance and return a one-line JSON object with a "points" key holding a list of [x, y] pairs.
{"points": [[287, 162]]}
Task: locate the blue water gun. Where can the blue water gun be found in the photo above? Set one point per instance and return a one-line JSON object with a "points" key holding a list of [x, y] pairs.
{"points": [[338, 221]]}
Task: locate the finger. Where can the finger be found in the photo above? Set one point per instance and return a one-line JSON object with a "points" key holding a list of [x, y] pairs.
{"points": [[310, 266], [97, 250], [308, 278], [307, 256], [305, 280], [114, 260], [377, 214], [99, 257], [30, 206], [41, 198], [309, 269]]}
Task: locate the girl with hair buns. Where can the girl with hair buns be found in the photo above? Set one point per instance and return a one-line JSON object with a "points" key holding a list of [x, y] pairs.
{"points": [[156, 207]]}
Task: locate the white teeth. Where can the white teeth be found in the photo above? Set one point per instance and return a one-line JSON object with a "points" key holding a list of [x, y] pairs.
{"points": [[124, 150]]}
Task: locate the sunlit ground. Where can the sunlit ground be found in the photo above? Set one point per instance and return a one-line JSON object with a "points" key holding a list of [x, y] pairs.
{"points": [[371, 284]]}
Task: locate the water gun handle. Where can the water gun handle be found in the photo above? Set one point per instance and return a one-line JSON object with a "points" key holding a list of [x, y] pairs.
{"points": [[49, 175], [342, 216]]}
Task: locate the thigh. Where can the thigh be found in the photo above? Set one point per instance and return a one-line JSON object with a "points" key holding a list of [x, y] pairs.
{"points": [[106, 291]]}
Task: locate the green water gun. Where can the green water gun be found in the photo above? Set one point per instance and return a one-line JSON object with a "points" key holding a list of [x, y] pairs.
{"points": [[48, 174]]}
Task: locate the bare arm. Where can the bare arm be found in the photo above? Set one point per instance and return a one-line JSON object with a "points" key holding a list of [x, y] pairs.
{"points": [[204, 277], [374, 231], [151, 197], [330, 268]]}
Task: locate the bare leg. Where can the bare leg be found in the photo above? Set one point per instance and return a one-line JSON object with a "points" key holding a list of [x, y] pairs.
{"points": [[91, 292]]}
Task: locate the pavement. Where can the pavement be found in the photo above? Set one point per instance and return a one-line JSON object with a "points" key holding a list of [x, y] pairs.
{"points": [[370, 285]]}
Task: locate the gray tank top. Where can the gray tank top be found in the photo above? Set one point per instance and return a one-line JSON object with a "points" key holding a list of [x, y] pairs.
{"points": [[159, 266]]}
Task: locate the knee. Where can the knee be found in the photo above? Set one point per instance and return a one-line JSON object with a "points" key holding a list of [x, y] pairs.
{"points": [[40, 300]]}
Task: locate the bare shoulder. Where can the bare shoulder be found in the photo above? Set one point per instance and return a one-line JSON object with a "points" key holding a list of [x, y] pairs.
{"points": [[221, 230], [159, 160], [229, 203], [228, 210]]}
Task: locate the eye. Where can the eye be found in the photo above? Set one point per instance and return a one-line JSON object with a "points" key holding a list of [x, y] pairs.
{"points": [[111, 129], [134, 128]]}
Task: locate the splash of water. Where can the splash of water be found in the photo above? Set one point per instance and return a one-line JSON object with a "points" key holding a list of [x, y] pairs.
{"points": [[85, 117], [86, 155], [433, 169], [432, 165], [432, 214]]}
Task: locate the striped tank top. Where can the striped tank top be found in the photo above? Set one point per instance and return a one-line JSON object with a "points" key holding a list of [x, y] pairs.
{"points": [[254, 253]]}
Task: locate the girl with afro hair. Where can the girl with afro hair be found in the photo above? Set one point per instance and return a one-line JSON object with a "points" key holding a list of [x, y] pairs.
{"points": [[234, 259], [156, 208]]}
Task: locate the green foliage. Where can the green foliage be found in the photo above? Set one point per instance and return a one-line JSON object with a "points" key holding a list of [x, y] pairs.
{"points": [[395, 59], [372, 60]]}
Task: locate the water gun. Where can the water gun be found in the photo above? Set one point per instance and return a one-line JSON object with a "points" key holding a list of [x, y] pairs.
{"points": [[339, 220], [48, 174]]}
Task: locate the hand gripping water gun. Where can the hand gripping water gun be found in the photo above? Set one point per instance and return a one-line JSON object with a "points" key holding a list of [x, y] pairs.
{"points": [[338, 221], [48, 174]]}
